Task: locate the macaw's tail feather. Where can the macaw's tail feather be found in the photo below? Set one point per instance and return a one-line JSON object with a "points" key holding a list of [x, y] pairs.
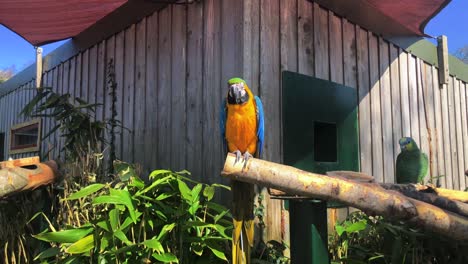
{"points": [[242, 241], [243, 219]]}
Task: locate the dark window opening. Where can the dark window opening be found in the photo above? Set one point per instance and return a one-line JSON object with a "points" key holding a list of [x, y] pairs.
{"points": [[25, 137], [325, 142]]}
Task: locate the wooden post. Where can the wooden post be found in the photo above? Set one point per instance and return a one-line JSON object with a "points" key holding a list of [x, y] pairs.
{"points": [[371, 198], [442, 54], [38, 66]]}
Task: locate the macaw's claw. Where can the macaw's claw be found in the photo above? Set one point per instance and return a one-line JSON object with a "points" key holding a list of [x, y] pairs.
{"points": [[238, 156], [247, 156]]}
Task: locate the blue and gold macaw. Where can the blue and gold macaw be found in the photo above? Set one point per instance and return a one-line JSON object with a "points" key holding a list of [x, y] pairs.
{"points": [[242, 127]]}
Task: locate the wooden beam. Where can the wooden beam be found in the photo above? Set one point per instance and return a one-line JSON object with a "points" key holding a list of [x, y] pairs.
{"points": [[371, 198]]}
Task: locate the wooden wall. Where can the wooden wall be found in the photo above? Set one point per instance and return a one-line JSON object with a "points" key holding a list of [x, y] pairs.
{"points": [[399, 93], [172, 68]]}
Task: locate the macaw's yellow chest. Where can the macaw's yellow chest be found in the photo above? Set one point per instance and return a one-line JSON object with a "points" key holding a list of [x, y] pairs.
{"points": [[241, 128]]}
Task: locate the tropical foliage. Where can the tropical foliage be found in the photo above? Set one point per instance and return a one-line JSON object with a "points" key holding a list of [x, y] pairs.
{"points": [[170, 219], [373, 239]]}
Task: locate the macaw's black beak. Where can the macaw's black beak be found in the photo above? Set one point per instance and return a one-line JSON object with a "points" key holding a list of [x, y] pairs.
{"points": [[236, 95]]}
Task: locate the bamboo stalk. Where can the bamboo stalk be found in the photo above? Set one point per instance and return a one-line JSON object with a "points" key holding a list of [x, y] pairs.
{"points": [[370, 198]]}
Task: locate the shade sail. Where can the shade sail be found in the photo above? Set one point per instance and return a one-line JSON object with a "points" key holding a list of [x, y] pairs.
{"points": [[44, 21], [388, 17]]}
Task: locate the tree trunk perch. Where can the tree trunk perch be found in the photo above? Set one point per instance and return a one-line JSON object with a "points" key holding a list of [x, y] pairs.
{"points": [[26, 174], [370, 198]]}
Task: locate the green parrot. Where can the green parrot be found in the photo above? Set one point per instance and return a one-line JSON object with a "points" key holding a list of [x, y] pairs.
{"points": [[411, 163]]}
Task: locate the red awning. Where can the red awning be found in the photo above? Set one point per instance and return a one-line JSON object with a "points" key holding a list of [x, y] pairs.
{"points": [[44, 21], [388, 17]]}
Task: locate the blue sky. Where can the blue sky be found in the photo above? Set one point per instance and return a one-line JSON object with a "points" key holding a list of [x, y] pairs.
{"points": [[14, 50]]}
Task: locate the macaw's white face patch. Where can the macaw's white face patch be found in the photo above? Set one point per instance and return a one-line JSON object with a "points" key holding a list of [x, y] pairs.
{"points": [[237, 93]]}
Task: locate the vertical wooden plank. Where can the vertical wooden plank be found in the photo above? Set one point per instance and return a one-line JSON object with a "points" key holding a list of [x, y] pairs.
{"points": [[446, 135], [58, 141], [376, 121], [71, 78], [305, 37], [289, 34], [78, 72], [453, 133], [57, 86], [396, 99], [424, 134], [464, 124], [270, 93], [128, 95], [460, 171], [151, 136], [428, 88], [290, 21], [404, 89], [164, 87], [336, 48], [438, 131], [140, 94], [322, 66], [194, 93], [251, 44], [386, 111], [365, 139], [119, 79], [101, 80], [85, 75], [178, 75], [413, 99], [349, 54], [92, 79], [109, 56]]}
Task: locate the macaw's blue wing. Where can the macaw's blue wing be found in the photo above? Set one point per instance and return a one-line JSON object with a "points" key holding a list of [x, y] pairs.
{"points": [[260, 128], [222, 124]]}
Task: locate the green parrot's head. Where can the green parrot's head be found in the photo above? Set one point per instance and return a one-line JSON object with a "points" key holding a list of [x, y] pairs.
{"points": [[408, 144], [238, 91]]}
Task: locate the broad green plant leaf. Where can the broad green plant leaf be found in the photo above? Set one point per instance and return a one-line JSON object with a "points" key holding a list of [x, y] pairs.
{"points": [[64, 236], [50, 252], [154, 244], [86, 191], [166, 257], [81, 246]]}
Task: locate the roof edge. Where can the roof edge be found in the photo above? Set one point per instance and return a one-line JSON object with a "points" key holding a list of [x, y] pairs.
{"points": [[427, 51], [129, 13]]}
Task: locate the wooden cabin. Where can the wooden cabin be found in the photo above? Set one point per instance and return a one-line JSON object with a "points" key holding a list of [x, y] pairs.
{"points": [[172, 62]]}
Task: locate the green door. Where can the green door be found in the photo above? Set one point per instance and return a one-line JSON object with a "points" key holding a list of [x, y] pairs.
{"points": [[320, 134]]}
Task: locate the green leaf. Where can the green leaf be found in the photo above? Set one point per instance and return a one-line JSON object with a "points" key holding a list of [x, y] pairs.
{"points": [[65, 236], [120, 235], [194, 208], [166, 257], [339, 229], [196, 192], [157, 173], [184, 190], [81, 246], [216, 251], [209, 192], [165, 230], [86, 191], [118, 197], [154, 244], [114, 219], [357, 226], [50, 252]]}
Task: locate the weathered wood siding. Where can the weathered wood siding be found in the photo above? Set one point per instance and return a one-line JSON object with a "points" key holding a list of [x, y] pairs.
{"points": [[172, 67]]}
